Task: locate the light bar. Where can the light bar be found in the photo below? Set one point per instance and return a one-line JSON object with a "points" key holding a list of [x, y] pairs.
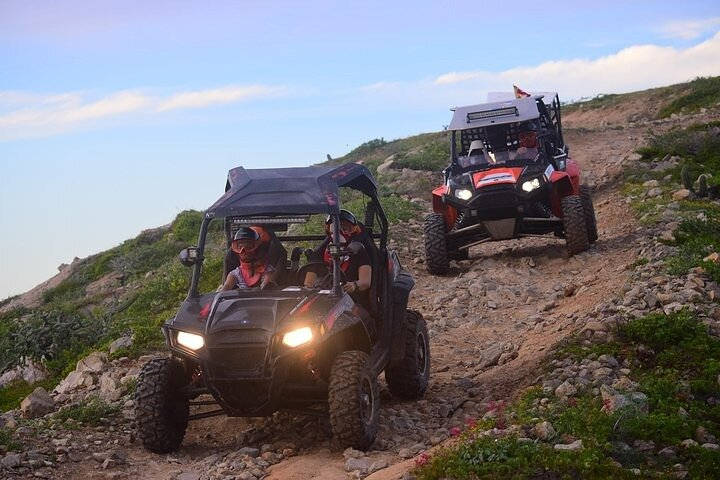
{"points": [[498, 112], [269, 220]]}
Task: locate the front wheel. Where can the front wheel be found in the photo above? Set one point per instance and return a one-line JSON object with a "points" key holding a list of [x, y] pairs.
{"points": [[576, 233], [161, 408], [436, 254], [409, 378], [589, 212], [354, 400]]}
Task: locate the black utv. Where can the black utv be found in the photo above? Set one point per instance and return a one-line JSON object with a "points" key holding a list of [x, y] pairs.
{"points": [[254, 351]]}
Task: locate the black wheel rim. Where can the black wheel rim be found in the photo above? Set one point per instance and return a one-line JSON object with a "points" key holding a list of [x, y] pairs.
{"points": [[367, 401], [421, 353]]}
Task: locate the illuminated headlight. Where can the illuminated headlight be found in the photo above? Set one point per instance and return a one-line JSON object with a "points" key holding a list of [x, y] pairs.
{"points": [[561, 164], [297, 337], [463, 193], [531, 185], [190, 340]]}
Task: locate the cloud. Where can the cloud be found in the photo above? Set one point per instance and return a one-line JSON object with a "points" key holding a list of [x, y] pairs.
{"points": [[219, 96], [52, 114], [455, 77], [689, 29], [634, 68], [32, 115]]}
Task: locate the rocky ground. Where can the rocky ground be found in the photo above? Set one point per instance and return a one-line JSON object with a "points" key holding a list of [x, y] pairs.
{"points": [[492, 324]]}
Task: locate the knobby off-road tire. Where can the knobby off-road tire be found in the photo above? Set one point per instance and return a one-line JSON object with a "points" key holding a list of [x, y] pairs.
{"points": [[576, 233], [409, 378], [161, 411], [436, 254], [589, 211], [354, 400]]}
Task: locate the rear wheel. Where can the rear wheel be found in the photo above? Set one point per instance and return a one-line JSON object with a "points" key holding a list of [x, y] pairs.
{"points": [[161, 409], [576, 233], [589, 212], [409, 378], [354, 400], [436, 254]]}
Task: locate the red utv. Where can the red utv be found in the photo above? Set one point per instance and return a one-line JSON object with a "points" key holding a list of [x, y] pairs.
{"points": [[510, 176]]}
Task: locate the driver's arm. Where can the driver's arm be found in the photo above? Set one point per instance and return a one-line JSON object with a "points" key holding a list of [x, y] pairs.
{"points": [[363, 282], [310, 278]]}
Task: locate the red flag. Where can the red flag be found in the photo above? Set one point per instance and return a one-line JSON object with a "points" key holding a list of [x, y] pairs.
{"points": [[519, 93]]}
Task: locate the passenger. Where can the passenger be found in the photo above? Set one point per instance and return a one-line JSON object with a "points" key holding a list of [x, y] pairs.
{"points": [[357, 268], [254, 270]]}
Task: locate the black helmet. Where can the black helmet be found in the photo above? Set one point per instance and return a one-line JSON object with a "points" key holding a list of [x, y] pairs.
{"points": [[345, 216], [246, 233], [527, 127]]}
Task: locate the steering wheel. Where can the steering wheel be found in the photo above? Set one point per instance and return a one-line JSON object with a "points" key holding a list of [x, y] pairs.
{"points": [[319, 268], [325, 276]]}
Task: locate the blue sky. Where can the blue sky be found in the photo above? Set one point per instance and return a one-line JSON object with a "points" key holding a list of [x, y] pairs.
{"points": [[117, 115]]}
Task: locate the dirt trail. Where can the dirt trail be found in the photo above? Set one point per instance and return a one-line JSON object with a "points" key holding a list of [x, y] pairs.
{"points": [[464, 329], [492, 322]]}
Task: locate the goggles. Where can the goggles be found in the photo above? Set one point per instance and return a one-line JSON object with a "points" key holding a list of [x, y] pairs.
{"points": [[244, 246]]}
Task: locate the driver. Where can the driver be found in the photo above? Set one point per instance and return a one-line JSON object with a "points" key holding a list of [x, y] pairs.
{"points": [[527, 138], [357, 268], [255, 269]]}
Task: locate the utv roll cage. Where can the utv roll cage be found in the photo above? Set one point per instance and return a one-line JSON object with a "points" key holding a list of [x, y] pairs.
{"points": [[495, 124], [277, 197]]}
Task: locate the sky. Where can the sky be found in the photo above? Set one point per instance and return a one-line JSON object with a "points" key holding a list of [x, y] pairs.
{"points": [[117, 115]]}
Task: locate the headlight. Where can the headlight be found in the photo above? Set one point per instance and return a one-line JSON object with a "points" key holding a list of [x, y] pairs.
{"points": [[463, 193], [297, 337], [531, 185], [190, 340]]}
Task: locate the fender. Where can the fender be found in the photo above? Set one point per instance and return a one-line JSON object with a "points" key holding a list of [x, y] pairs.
{"points": [[564, 182], [448, 211]]}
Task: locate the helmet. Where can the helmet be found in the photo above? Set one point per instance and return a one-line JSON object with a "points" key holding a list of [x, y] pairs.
{"points": [[246, 233], [263, 234], [345, 216], [527, 127], [245, 243]]}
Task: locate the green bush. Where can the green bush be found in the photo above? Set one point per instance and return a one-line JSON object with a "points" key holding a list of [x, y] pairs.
{"points": [[368, 147], [67, 289], [701, 92], [433, 156], [45, 335], [697, 239], [90, 412], [698, 145], [8, 439], [186, 226]]}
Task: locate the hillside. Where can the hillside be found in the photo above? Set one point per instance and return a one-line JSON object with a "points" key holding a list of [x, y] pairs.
{"points": [[516, 315]]}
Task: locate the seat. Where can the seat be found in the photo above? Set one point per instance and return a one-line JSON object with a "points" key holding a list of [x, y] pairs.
{"points": [[374, 254]]}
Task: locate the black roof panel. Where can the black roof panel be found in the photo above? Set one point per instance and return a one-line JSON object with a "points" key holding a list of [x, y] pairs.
{"points": [[300, 190]]}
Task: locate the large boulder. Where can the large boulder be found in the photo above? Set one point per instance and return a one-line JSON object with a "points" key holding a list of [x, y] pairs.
{"points": [[37, 404]]}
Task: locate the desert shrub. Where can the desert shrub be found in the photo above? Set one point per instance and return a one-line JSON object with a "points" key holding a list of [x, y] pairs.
{"points": [[186, 226], [91, 412], [8, 439], [698, 145], [367, 148], [696, 240], [45, 335], [701, 92], [433, 156]]}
